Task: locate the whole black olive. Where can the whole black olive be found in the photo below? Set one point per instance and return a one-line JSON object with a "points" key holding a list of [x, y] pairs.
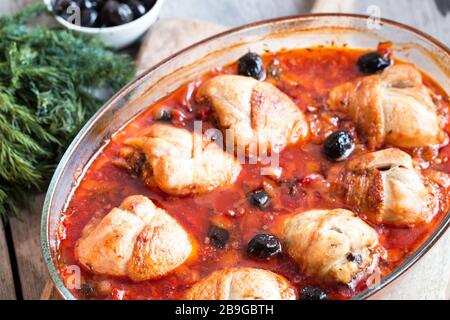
{"points": [[218, 237], [251, 65], [260, 198], [264, 246], [338, 146], [87, 290], [373, 62], [313, 293], [149, 4], [115, 13], [88, 17], [353, 257], [60, 7], [137, 7], [163, 114]]}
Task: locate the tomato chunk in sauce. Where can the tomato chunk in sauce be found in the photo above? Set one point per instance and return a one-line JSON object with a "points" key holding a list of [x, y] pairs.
{"points": [[306, 76]]}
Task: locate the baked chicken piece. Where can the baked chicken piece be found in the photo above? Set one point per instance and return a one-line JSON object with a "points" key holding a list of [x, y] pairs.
{"points": [[393, 107], [180, 162], [385, 186], [334, 245], [257, 114], [242, 284], [136, 240]]}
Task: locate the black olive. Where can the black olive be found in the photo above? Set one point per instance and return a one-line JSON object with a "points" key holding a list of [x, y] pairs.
{"points": [[218, 236], [260, 198], [137, 7], [115, 13], [251, 65], [163, 114], [87, 290], [338, 145], [149, 3], [373, 62], [60, 7], [352, 257], [88, 17], [313, 293], [264, 246]]}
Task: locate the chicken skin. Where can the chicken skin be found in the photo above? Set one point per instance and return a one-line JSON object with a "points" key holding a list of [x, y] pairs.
{"points": [[136, 240], [180, 162], [393, 107], [385, 186], [334, 245], [258, 115], [242, 284]]}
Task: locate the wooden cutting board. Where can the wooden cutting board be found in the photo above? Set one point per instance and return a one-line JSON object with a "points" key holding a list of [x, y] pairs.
{"points": [[428, 279]]}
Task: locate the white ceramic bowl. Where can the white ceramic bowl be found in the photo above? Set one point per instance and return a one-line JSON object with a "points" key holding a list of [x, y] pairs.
{"points": [[120, 36]]}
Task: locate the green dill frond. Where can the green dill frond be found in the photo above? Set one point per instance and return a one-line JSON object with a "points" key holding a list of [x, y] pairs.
{"points": [[48, 77]]}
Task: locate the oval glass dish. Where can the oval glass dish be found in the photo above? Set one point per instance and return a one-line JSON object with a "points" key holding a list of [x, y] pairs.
{"points": [[352, 31]]}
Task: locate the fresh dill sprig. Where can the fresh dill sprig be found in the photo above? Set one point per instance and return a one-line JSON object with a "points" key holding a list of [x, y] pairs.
{"points": [[47, 80]]}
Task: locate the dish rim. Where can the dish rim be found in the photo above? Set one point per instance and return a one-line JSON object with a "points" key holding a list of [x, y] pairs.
{"points": [[45, 219]]}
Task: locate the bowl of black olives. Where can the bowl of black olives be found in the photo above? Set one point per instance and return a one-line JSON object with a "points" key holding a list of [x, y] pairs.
{"points": [[118, 23]]}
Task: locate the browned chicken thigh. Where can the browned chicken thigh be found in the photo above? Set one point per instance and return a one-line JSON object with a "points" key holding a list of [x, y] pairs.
{"points": [[334, 245], [180, 162], [385, 186], [136, 240], [242, 284], [393, 107], [257, 113]]}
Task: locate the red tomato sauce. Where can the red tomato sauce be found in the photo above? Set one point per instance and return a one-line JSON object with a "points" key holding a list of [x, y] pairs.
{"points": [[307, 76]]}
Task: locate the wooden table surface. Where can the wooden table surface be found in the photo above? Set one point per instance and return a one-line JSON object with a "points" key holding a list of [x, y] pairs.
{"points": [[22, 272]]}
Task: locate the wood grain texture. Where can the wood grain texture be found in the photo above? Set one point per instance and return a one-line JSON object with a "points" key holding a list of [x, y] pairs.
{"points": [[49, 292], [420, 14], [170, 35], [233, 13], [7, 290], [428, 279], [429, 16], [334, 6], [27, 245], [423, 15], [11, 6]]}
